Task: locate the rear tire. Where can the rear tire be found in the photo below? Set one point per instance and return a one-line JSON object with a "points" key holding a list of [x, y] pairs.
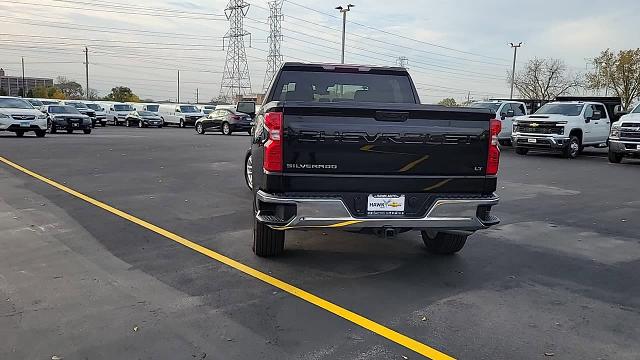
{"points": [[53, 129], [87, 131], [103, 124], [69, 131], [248, 171], [521, 151], [19, 133], [226, 128], [615, 158], [443, 243], [266, 241], [41, 133]]}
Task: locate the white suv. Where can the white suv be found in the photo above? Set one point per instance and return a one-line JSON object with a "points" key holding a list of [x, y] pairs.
{"points": [[19, 116]]}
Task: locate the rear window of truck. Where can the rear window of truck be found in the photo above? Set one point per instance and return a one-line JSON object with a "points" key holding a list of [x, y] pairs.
{"points": [[319, 86]]}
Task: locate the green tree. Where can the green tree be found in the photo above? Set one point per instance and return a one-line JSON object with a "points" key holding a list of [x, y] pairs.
{"points": [[70, 88], [41, 91], [122, 94], [617, 72], [449, 102], [544, 79]]}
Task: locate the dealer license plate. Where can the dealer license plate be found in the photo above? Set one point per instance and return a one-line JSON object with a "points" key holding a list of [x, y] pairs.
{"points": [[385, 204], [532, 141]]}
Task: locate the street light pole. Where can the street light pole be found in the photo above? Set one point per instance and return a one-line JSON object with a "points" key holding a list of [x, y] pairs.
{"points": [[344, 12], [513, 69]]}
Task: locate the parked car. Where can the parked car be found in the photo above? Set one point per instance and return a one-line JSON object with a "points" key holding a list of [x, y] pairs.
{"points": [[101, 114], [351, 147], [83, 109], [563, 126], [182, 115], [624, 139], [49, 102], [225, 121], [207, 109], [143, 118], [117, 112], [37, 104], [66, 117], [19, 116], [505, 110]]}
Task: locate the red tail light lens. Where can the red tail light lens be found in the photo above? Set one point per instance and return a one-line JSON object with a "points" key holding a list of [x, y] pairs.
{"points": [[493, 157], [273, 146]]}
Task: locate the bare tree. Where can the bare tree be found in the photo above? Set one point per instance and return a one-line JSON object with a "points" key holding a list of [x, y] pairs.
{"points": [[618, 72], [544, 79]]}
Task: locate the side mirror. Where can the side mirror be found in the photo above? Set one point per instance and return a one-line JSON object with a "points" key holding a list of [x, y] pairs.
{"points": [[510, 113], [619, 111], [597, 115], [111, 109]]}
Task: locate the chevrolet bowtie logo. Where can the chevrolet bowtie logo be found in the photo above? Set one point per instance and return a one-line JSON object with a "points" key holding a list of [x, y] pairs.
{"points": [[534, 125]]}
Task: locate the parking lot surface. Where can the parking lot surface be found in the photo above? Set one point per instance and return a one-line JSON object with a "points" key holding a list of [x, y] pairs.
{"points": [[557, 278]]}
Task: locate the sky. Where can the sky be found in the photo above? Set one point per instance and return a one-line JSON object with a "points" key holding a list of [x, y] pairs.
{"points": [[454, 49]]}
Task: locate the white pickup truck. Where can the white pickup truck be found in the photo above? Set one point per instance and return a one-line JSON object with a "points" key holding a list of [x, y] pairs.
{"points": [[624, 140], [562, 126], [505, 111]]}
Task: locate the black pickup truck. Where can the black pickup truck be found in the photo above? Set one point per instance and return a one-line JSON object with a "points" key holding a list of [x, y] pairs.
{"points": [[351, 147]]}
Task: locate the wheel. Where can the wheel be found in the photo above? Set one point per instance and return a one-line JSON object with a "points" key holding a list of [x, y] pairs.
{"points": [[614, 157], [248, 171], [19, 133], [181, 123], [103, 124], [53, 128], [266, 241], [443, 243], [41, 133], [87, 131], [572, 150], [226, 129], [159, 126], [127, 123], [93, 124], [140, 124], [200, 128], [69, 131], [521, 151]]}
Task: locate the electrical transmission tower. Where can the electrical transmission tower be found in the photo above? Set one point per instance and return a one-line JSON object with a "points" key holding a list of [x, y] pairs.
{"points": [[274, 59], [402, 61], [235, 79]]}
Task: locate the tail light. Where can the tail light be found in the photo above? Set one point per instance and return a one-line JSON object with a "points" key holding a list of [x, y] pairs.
{"points": [[493, 157], [273, 146]]}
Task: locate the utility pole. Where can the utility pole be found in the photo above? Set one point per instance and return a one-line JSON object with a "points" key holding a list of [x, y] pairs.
{"points": [[513, 69], [235, 78], [86, 70], [274, 59], [197, 96], [178, 98], [344, 12], [23, 87]]}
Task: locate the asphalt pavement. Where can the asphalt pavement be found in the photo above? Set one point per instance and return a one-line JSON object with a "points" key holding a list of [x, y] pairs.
{"points": [[558, 278]]}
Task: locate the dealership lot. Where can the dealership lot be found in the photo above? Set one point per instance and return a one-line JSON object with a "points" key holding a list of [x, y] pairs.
{"points": [[558, 276]]}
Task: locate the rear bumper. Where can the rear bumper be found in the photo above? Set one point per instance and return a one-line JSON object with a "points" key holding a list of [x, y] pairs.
{"points": [[547, 143], [629, 148], [444, 214]]}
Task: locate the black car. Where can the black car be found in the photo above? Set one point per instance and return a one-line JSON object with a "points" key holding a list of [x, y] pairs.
{"points": [[143, 118], [66, 117], [225, 120], [83, 109]]}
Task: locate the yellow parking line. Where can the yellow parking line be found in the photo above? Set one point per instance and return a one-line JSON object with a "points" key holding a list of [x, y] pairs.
{"points": [[351, 316]]}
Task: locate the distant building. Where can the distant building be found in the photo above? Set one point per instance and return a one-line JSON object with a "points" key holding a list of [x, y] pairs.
{"points": [[251, 97], [12, 85]]}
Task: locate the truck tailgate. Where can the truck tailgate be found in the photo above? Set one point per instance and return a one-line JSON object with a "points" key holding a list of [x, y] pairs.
{"points": [[414, 145]]}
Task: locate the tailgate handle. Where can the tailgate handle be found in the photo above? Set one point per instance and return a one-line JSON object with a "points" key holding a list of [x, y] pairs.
{"points": [[395, 116]]}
